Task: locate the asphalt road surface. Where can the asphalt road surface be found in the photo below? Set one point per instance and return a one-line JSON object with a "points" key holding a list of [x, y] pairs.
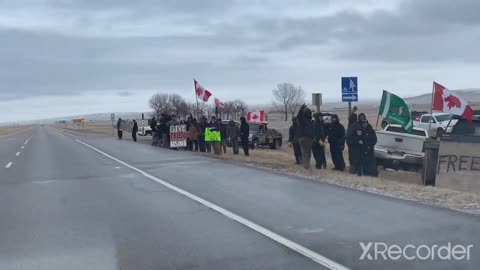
{"points": [[79, 201]]}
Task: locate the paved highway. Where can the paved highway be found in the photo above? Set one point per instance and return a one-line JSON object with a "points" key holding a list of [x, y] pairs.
{"points": [[73, 201]]}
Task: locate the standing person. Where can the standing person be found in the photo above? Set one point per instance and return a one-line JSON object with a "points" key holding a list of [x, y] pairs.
{"points": [[319, 136], [244, 134], [305, 122], [153, 127], [369, 163], [233, 132], [223, 135], [193, 135], [212, 125], [293, 137], [134, 131], [355, 141], [119, 128], [352, 121], [336, 139], [201, 134]]}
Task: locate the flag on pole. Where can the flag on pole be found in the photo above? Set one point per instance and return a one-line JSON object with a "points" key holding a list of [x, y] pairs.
{"points": [[256, 117], [220, 104], [201, 92], [395, 110], [450, 102]]}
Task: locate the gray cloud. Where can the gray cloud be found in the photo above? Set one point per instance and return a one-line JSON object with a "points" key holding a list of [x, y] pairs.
{"points": [[65, 48]]}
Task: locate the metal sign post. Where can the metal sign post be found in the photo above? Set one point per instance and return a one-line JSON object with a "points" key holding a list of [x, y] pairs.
{"points": [[112, 116], [349, 91], [317, 101], [143, 124]]}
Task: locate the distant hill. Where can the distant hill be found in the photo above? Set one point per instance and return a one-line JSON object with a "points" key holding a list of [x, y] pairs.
{"points": [[472, 96]]}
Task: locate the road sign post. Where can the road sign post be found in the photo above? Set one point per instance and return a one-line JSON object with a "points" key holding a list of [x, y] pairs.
{"points": [[112, 116], [317, 100], [349, 91]]}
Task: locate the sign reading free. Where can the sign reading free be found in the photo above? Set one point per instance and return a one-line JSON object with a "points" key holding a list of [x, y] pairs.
{"points": [[178, 136], [459, 166]]}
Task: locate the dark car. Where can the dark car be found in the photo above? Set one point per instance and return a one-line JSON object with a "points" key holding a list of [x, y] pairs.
{"points": [[464, 131]]}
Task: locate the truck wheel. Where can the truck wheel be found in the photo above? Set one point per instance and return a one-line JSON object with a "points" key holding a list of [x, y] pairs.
{"points": [[148, 133], [278, 143], [255, 144]]}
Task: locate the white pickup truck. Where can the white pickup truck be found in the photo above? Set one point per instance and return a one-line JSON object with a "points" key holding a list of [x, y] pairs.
{"points": [[437, 123], [396, 148]]}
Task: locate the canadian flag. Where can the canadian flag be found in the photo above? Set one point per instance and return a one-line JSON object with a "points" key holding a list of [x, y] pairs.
{"points": [[201, 92], [220, 104], [448, 101], [256, 117]]}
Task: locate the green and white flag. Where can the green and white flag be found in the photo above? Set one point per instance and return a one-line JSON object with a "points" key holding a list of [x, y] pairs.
{"points": [[395, 110]]}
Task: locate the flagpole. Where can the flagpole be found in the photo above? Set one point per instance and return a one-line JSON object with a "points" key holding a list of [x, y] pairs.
{"points": [[196, 97], [431, 108], [379, 108]]}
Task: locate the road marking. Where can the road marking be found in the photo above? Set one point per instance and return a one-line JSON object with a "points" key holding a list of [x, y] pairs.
{"points": [[18, 153], [9, 165], [320, 259], [22, 147], [26, 142]]}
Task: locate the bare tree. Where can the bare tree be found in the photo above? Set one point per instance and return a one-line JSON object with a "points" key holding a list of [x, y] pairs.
{"points": [[288, 98], [179, 105], [160, 103]]}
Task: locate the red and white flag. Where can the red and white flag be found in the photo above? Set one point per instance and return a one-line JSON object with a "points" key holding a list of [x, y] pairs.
{"points": [[201, 92], [450, 102], [256, 117], [220, 104]]}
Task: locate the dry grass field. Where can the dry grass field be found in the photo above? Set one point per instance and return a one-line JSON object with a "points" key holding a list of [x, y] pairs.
{"points": [[4, 131]]}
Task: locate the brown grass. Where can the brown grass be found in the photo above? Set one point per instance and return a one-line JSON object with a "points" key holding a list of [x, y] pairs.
{"points": [[4, 131]]}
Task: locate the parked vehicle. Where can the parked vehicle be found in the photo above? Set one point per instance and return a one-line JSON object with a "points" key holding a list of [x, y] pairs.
{"points": [[464, 131], [439, 123], [261, 135], [144, 131], [396, 148]]}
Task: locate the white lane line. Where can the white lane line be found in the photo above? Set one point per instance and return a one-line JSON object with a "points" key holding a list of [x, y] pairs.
{"points": [[26, 142], [22, 147], [18, 153], [320, 259], [9, 165]]}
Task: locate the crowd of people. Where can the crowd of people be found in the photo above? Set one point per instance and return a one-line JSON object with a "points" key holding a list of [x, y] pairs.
{"points": [[308, 134], [196, 130]]}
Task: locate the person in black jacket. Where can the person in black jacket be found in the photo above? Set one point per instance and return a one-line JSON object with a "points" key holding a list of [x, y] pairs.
{"points": [[352, 120], [336, 139], [119, 128], [153, 127], [355, 141], [134, 131], [318, 147], [369, 163], [304, 118], [244, 133], [293, 137]]}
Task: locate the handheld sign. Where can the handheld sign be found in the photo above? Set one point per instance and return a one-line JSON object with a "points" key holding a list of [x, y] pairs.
{"points": [[212, 135], [178, 136]]}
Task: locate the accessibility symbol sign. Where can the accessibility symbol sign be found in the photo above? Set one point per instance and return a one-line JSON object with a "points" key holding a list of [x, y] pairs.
{"points": [[349, 89]]}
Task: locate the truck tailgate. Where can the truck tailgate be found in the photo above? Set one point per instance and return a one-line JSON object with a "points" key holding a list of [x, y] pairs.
{"points": [[400, 143]]}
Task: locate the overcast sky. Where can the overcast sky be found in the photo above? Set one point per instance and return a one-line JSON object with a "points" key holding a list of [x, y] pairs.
{"points": [[71, 57]]}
